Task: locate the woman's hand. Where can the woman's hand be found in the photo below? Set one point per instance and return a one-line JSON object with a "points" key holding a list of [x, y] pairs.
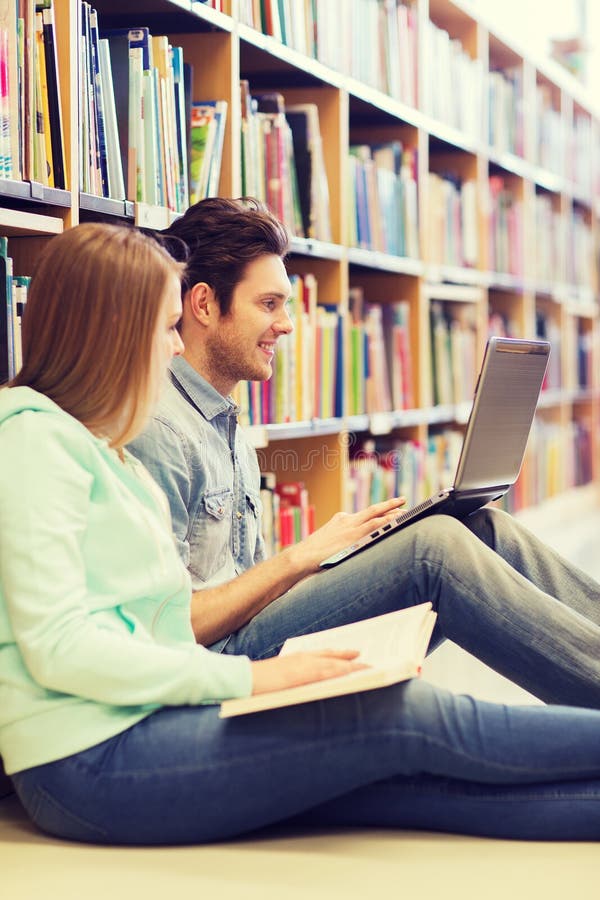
{"points": [[302, 668], [342, 530]]}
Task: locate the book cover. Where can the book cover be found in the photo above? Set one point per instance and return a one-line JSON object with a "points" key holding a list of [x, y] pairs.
{"points": [[99, 107], [116, 184], [119, 63], [393, 646], [54, 102], [10, 89]]}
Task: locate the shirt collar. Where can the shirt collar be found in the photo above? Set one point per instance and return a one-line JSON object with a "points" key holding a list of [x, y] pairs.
{"points": [[202, 394]]}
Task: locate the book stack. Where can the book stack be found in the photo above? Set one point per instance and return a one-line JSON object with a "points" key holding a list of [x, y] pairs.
{"points": [[453, 84], [547, 327], [31, 134], [550, 133], [289, 395], [383, 199], [392, 467], [269, 499], [579, 153], [207, 134], [283, 163], [505, 104], [453, 352], [379, 374], [296, 513], [451, 220], [580, 260], [13, 297], [505, 228], [133, 114], [375, 42], [549, 248]]}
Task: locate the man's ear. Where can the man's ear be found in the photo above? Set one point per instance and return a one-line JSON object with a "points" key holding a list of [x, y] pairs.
{"points": [[202, 303]]}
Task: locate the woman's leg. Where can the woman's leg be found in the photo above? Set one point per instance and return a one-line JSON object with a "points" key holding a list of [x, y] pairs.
{"points": [[184, 775], [549, 643]]}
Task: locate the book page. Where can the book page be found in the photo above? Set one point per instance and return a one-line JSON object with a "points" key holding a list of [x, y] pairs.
{"points": [[382, 640]]}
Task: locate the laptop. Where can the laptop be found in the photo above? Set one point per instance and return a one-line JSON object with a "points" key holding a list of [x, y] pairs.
{"points": [[494, 444]]}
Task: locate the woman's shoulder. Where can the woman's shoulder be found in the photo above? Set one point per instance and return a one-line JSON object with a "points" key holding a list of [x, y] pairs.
{"points": [[30, 421]]}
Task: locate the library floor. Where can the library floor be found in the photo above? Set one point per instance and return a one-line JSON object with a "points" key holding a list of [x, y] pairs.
{"points": [[342, 864]]}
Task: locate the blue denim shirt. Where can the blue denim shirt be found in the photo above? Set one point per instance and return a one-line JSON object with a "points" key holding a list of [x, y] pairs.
{"points": [[199, 455]]}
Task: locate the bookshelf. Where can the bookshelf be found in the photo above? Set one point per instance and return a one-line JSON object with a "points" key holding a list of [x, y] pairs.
{"points": [[500, 180]]}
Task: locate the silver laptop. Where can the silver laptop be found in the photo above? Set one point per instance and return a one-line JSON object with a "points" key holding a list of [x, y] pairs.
{"points": [[492, 453]]}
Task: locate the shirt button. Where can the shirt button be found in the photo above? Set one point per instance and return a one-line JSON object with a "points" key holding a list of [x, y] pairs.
{"points": [[238, 514]]}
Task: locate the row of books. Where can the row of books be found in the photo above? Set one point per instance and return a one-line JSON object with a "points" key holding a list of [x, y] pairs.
{"points": [[379, 374], [453, 353], [377, 42], [451, 228], [547, 327], [550, 129], [505, 228], [372, 40], [307, 380], [383, 199], [453, 84], [283, 163], [288, 516], [31, 133], [505, 110], [392, 467], [558, 457], [581, 261], [13, 297], [578, 347], [135, 115], [313, 377]]}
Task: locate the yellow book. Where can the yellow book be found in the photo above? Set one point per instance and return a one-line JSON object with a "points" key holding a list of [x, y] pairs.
{"points": [[41, 69]]}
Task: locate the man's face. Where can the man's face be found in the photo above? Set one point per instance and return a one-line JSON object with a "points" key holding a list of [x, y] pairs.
{"points": [[242, 343]]}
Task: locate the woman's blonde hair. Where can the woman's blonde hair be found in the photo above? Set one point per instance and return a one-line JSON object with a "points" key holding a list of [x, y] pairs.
{"points": [[89, 323]]}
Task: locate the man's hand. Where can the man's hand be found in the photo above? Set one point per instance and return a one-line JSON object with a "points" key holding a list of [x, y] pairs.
{"points": [[302, 668], [341, 530]]}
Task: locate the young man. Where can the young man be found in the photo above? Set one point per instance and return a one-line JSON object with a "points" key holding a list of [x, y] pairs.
{"points": [[499, 592]]}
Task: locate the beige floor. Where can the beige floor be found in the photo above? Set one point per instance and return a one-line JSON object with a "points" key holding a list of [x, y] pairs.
{"points": [[357, 864]]}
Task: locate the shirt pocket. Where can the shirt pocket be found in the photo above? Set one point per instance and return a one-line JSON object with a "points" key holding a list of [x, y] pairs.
{"points": [[210, 541]]}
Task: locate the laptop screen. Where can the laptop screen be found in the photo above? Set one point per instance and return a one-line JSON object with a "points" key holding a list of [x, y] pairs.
{"points": [[503, 409]]}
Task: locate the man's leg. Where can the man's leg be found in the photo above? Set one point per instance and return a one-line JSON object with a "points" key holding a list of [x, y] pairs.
{"points": [[537, 639]]}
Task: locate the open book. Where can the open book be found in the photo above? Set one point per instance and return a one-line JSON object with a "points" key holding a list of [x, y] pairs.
{"points": [[392, 645]]}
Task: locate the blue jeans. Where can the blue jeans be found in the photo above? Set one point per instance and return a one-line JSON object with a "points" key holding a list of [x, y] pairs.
{"points": [[407, 756], [499, 593]]}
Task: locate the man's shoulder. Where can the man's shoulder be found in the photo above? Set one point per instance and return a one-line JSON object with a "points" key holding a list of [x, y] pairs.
{"points": [[175, 411]]}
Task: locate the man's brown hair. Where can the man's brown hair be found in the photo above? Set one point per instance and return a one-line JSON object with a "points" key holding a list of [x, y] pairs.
{"points": [[223, 236]]}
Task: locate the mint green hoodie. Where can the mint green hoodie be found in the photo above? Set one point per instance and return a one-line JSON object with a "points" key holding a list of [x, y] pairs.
{"points": [[95, 627]]}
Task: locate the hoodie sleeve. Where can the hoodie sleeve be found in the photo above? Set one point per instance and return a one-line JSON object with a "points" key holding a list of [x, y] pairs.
{"points": [[46, 480]]}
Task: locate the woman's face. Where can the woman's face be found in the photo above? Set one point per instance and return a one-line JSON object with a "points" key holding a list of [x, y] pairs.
{"points": [[167, 341]]}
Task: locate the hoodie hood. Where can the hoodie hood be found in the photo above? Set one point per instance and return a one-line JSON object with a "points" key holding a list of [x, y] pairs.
{"points": [[19, 399]]}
